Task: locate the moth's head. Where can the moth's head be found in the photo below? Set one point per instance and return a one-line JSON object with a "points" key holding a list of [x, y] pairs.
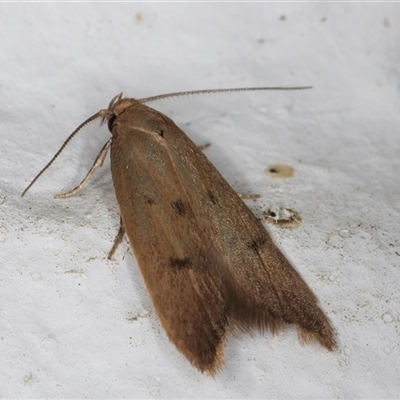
{"points": [[116, 107]]}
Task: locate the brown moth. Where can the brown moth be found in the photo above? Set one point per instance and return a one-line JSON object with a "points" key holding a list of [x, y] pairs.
{"points": [[208, 263]]}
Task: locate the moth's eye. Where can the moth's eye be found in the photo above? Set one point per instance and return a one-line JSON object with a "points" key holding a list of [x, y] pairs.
{"points": [[110, 123]]}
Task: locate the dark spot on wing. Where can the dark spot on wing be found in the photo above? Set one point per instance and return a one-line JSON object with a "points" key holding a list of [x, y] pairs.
{"points": [[180, 263], [150, 200], [212, 197], [179, 207], [257, 243]]}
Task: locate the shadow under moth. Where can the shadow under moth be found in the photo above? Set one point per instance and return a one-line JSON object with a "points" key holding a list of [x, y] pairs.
{"points": [[208, 263]]}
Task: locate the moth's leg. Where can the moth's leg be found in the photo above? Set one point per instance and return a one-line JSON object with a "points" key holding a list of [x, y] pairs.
{"points": [[248, 196], [98, 162], [205, 146], [118, 239]]}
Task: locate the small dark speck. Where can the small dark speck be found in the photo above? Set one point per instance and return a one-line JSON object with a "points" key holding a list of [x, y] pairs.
{"points": [[212, 197], [161, 132], [256, 244], [323, 19], [150, 201], [282, 18], [180, 263], [179, 207]]}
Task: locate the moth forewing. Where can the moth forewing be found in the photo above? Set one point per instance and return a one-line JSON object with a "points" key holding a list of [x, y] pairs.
{"points": [[174, 260]]}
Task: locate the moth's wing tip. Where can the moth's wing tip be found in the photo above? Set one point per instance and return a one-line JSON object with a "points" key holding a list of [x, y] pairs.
{"points": [[329, 343], [326, 339], [210, 367], [212, 370]]}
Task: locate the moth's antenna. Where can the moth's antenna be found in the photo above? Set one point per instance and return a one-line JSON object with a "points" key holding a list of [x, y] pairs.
{"points": [[99, 114], [249, 89], [104, 114]]}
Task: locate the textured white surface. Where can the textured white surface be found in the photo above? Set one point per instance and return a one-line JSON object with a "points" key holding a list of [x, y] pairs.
{"points": [[72, 323]]}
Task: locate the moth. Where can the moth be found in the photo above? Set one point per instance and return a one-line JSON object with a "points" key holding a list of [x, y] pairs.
{"points": [[209, 264]]}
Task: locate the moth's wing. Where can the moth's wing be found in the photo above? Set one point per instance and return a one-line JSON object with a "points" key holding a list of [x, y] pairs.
{"points": [[262, 289], [176, 264]]}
